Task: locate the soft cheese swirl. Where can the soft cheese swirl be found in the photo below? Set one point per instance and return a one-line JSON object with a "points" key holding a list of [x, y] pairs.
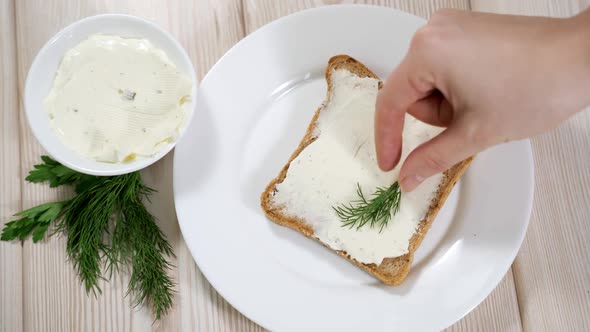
{"points": [[325, 174], [116, 98]]}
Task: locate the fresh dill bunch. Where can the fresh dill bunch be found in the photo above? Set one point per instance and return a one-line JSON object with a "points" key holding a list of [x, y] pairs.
{"points": [[137, 241], [149, 282], [105, 222], [376, 211], [85, 222]]}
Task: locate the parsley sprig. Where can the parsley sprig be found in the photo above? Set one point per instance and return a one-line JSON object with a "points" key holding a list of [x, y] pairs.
{"points": [[107, 225]]}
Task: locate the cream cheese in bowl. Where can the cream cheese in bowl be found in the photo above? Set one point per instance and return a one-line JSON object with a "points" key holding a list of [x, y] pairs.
{"points": [[110, 94], [114, 99]]}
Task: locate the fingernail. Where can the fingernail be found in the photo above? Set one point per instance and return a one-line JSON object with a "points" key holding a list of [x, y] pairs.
{"points": [[410, 182]]}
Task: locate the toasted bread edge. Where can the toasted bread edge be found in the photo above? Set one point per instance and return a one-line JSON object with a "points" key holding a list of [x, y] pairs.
{"points": [[392, 271]]}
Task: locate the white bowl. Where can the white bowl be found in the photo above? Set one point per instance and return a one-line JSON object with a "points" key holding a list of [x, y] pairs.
{"points": [[44, 67]]}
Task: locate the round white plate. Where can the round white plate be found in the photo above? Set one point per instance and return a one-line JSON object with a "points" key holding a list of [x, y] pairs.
{"points": [[253, 108]]}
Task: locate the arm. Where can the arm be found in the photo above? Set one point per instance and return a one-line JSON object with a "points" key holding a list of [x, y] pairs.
{"points": [[488, 79]]}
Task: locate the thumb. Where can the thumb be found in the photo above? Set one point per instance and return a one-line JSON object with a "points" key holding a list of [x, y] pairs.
{"points": [[435, 156]]}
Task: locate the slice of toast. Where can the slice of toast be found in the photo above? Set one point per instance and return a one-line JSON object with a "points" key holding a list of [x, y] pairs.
{"points": [[392, 270]]}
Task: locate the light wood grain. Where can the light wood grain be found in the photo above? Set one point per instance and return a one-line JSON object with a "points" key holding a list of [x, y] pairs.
{"points": [[552, 270], [54, 300], [260, 12], [498, 312], [530, 7], [11, 301], [39, 291], [206, 29]]}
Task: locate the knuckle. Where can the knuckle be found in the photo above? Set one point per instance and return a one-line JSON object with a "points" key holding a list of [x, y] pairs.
{"points": [[428, 37], [436, 162], [478, 136], [384, 105], [421, 83], [421, 38], [395, 105]]}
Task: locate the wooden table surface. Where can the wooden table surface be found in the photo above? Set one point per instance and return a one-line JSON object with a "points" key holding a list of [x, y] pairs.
{"points": [[546, 289]]}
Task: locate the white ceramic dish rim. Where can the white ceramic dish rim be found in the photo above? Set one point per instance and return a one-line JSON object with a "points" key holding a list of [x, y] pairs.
{"points": [[250, 312], [39, 121]]}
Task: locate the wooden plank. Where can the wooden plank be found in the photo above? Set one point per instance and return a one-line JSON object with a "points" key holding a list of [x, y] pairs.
{"points": [[530, 7], [207, 29], [54, 300], [552, 270], [11, 291], [260, 12], [499, 312]]}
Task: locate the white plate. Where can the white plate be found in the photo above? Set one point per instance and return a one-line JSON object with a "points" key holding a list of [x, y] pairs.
{"points": [[253, 109]]}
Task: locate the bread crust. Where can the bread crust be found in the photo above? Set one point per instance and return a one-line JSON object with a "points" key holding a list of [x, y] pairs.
{"points": [[392, 270]]}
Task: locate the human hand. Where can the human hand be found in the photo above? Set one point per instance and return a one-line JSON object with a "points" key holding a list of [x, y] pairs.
{"points": [[489, 79]]}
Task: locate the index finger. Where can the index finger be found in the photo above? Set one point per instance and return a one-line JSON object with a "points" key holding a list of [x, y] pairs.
{"points": [[405, 85]]}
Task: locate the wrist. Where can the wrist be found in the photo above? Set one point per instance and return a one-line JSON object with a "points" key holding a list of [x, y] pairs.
{"points": [[574, 50], [581, 32]]}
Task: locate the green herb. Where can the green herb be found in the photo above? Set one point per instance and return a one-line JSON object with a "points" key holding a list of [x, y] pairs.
{"points": [[375, 211], [53, 172], [35, 220], [105, 222]]}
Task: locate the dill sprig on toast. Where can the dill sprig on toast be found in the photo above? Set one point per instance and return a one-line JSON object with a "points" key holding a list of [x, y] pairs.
{"points": [[376, 211]]}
